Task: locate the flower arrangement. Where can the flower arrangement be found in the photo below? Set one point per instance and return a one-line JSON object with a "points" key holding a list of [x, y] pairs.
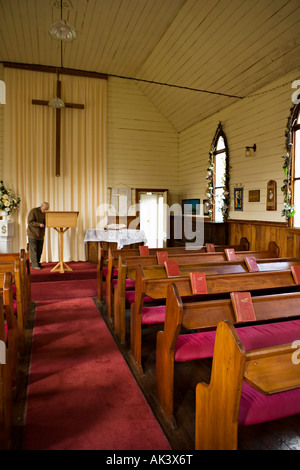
{"points": [[8, 201], [209, 184], [288, 208]]}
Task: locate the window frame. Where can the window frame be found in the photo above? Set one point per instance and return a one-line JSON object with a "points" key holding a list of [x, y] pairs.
{"points": [[219, 134], [295, 127]]}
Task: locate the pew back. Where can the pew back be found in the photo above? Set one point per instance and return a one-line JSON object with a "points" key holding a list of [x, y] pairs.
{"points": [[21, 300], [218, 405], [204, 315]]}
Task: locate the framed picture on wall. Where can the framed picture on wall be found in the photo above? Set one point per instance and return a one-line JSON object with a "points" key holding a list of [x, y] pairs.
{"points": [[272, 196], [191, 206], [238, 199]]}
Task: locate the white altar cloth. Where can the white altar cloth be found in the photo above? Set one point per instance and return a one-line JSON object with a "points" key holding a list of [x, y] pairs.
{"points": [[121, 237]]}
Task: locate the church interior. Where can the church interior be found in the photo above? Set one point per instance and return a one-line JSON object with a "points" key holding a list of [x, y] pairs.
{"points": [[164, 137]]}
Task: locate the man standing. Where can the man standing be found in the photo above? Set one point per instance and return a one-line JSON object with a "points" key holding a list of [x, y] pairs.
{"points": [[36, 233]]}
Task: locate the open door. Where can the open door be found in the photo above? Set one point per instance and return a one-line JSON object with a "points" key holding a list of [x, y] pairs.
{"points": [[153, 216]]}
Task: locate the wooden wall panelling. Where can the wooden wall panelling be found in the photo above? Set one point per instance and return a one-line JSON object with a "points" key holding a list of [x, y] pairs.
{"points": [[260, 234]]}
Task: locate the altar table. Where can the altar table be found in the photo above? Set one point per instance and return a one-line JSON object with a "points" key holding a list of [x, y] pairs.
{"points": [[121, 237]]}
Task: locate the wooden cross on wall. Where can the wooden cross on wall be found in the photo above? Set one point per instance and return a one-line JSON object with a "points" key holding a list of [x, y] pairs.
{"points": [[58, 120]]}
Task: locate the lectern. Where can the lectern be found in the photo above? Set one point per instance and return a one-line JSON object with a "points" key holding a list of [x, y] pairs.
{"points": [[61, 221]]}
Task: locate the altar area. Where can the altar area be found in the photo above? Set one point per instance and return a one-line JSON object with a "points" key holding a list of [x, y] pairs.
{"points": [[116, 238]]}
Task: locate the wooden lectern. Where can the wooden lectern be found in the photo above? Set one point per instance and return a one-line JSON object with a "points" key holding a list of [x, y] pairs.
{"points": [[61, 221]]}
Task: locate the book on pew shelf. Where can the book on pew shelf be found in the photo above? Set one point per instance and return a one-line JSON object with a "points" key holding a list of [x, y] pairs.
{"points": [[162, 256], [144, 250], [296, 273], [251, 263], [210, 247], [198, 283], [172, 268], [242, 306], [230, 254]]}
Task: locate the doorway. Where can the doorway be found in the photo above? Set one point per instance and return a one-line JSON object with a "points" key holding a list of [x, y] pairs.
{"points": [[153, 216]]}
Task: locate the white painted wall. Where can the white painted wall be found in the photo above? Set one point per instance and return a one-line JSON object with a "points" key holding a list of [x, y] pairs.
{"points": [[142, 145], [259, 119]]}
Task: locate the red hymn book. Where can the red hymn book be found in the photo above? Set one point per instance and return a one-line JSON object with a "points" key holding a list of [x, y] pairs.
{"points": [[162, 256], [198, 283], [210, 247], [172, 268], [296, 273], [251, 263], [144, 250], [242, 306], [230, 254]]}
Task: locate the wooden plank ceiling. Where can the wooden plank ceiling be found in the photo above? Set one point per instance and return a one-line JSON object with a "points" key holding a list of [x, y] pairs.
{"points": [[188, 55]]}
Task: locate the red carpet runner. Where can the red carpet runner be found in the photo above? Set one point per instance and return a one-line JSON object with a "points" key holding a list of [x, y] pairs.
{"points": [[81, 393]]}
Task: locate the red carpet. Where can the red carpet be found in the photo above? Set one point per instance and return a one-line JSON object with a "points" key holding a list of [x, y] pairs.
{"points": [[63, 290], [80, 270], [81, 393]]}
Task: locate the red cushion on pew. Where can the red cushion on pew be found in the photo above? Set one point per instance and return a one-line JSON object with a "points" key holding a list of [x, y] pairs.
{"points": [[153, 315], [201, 345], [15, 306], [257, 408], [129, 296], [104, 272], [129, 283]]}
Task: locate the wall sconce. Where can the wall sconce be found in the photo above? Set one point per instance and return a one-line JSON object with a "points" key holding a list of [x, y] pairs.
{"points": [[248, 150]]}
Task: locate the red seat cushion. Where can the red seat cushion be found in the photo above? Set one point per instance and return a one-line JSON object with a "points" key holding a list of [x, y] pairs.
{"points": [[201, 345], [104, 272], [258, 408], [153, 315], [255, 407], [129, 296], [15, 306], [129, 283]]}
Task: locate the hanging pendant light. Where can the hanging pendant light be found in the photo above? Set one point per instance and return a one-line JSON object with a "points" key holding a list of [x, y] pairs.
{"points": [[62, 30]]}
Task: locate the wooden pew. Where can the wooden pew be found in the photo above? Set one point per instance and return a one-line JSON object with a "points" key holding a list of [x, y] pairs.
{"points": [[182, 259], [220, 406], [158, 272], [6, 291], [105, 255], [204, 317], [217, 286], [21, 308], [6, 402], [24, 270]]}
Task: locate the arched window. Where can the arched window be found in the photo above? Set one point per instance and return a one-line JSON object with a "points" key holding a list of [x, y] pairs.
{"points": [[296, 168], [218, 178], [291, 183]]}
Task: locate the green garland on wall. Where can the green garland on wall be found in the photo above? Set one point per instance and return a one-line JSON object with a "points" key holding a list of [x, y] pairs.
{"points": [[210, 178], [288, 207]]}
